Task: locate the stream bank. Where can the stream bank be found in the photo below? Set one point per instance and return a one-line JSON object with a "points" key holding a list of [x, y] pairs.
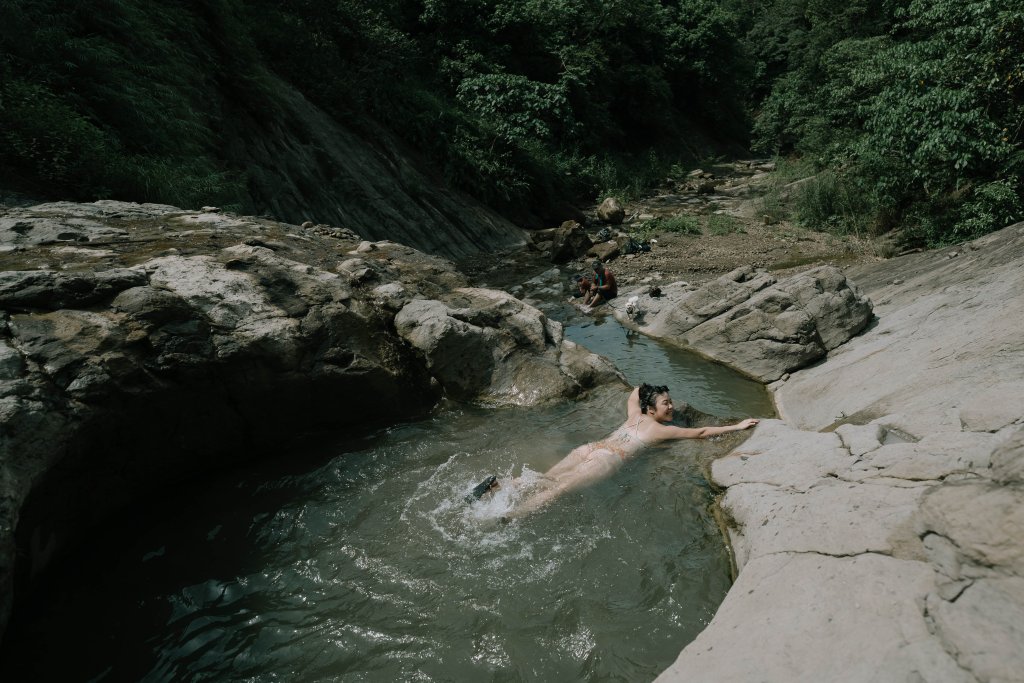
{"points": [[877, 524], [141, 344], [869, 558]]}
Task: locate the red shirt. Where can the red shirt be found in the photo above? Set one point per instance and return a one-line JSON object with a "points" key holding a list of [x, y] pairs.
{"points": [[606, 278]]}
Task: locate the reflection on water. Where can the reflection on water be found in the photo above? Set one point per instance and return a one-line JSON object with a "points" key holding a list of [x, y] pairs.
{"points": [[367, 565]]}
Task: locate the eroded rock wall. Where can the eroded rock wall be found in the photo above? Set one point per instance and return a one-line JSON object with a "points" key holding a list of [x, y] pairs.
{"points": [[141, 345], [302, 165]]}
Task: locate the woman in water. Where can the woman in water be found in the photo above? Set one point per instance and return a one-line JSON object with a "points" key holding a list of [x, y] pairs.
{"points": [[648, 411]]}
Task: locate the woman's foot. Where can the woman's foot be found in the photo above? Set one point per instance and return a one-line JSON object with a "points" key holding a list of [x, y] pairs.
{"points": [[487, 485]]}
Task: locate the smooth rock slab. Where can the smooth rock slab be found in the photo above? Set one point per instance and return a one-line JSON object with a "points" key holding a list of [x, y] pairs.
{"points": [[861, 439], [984, 627], [947, 350], [753, 323], [933, 458], [984, 521], [1008, 458], [914, 401], [994, 407], [782, 456], [806, 618], [832, 518]]}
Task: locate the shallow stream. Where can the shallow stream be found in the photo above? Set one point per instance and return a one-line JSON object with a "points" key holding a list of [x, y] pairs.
{"points": [[358, 559]]}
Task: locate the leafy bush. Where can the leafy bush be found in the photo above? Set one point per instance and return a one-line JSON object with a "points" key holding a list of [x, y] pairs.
{"points": [[775, 203], [832, 203], [519, 102], [992, 206], [915, 109], [43, 136], [119, 99], [773, 207], [627, 177]]}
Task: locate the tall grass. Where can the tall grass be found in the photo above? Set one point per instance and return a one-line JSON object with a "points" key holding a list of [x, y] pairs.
{"points": [[775, 205], [682, 225], [832, 203]]}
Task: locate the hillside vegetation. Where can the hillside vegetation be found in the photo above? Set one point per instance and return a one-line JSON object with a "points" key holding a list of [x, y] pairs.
{"points": [[908, 116]]}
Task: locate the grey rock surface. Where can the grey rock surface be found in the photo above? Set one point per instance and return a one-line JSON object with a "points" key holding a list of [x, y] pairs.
{"points": [[611, 211], [808, 618], [488, 345], [878, 528], [568, 241]]}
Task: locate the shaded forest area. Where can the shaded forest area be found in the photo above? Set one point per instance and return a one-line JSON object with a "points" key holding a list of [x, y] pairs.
{"points": [[903, 116]]}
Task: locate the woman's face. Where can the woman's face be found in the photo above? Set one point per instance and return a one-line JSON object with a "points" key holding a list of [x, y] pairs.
{"points": [[662, 409]]}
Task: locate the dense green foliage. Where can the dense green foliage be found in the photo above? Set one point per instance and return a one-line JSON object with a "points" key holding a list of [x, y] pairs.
{"points": [[911, 114], [915, 111], [116, 99], [514, 100], [521, 99]]}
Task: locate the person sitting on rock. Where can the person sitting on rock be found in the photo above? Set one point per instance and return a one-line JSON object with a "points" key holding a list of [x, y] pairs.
{"points": [[604, 287], [649, 409]]}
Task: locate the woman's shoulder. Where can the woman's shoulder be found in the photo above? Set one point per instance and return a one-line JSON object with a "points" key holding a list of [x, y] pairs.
{"points": [[652, 430]]}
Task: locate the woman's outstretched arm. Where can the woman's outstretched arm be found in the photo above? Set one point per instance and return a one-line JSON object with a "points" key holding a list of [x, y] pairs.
{"points": [[666, 432]]}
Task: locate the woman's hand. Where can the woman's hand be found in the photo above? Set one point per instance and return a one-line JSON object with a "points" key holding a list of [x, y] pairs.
{"points": [[747, 424]]}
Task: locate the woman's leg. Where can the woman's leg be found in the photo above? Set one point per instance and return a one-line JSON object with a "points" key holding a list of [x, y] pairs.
{"points": [[597, 464]]}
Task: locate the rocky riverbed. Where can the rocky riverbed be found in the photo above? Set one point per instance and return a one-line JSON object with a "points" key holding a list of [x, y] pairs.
{"points": [[876, 526]]}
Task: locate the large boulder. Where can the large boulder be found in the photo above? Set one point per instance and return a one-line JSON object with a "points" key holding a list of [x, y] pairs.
{"points": [[488, 346], [748, 320], [569, 241], [610, 211], [605, 251]]}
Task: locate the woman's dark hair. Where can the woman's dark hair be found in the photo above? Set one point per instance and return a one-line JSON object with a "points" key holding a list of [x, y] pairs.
{"points": [[649, 394]]}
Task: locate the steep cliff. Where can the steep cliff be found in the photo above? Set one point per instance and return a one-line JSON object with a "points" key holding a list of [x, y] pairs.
{"points": [[303, 165]]}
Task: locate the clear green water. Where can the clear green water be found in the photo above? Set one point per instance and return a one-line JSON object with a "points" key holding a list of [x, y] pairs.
{"points": [[708, 387], [356, 559]]}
